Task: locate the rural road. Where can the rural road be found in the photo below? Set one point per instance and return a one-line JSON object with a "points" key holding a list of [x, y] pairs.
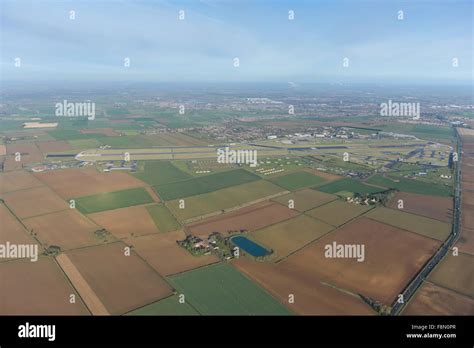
{"points": [[410, 290]]}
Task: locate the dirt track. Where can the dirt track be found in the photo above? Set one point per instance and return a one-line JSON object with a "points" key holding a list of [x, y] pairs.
{"points": [[89, 297]]}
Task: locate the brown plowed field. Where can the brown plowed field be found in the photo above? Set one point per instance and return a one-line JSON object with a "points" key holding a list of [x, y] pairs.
{"points": [[415, 223], [69, 183], [249, 218], [306, 199], [439, 208], [3, 150], [163, 253], [93, 303], [17, 180], [310, 296], [29, 152], [9, 164], [122, 283], [11, 230], [35, 201], [455, 272], [392, 258], [37, 288], [434, 300], [126, 222], [466, 240], [68, 229], [53, 146]]}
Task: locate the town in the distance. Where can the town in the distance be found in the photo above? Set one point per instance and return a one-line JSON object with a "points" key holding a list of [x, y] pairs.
{"points": [[236, 199]]}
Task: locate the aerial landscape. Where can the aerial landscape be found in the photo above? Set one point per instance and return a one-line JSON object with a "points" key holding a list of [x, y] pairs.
{"points": [[129, 193]]}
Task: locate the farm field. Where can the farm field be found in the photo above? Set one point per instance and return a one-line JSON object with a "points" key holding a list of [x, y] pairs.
{"points": [[84, 144], [12, 231], [53, 146], [67, 229], [288, 236], [297, 180], [160, 173], [222, 290], [456, 273], [337, 212], [329, 177], [305, 199], [69, 183], [103, 131], [411, 222], [24, 203], [17, 180], [439, 208], [113, 200], [311, 297], [220, 200], [392, 258], [29, 153], [122, 283], [39, 288], [163, 253], [250, 218], [180, 139], [412, 186], [431, 299], [126, 222], [167, 306], [162, 217], [93, 303], [205, 184], [466, 240], [349, 185]]}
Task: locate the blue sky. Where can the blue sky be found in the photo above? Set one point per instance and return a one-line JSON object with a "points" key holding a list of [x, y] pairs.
{"points": [[311, 48]]}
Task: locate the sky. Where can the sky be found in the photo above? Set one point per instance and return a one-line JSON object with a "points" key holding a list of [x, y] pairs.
{"points": [[270, 47]]}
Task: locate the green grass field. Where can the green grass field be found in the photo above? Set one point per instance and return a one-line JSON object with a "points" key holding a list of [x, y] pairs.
{"points": [[167, 306], [223, 199], [164, 220], [421, 131], [83, 144], [297, 180], [72, 134], [222, 290], [204, 184], [112, 200], [413, 186], [350, 185], [160, 173]]}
